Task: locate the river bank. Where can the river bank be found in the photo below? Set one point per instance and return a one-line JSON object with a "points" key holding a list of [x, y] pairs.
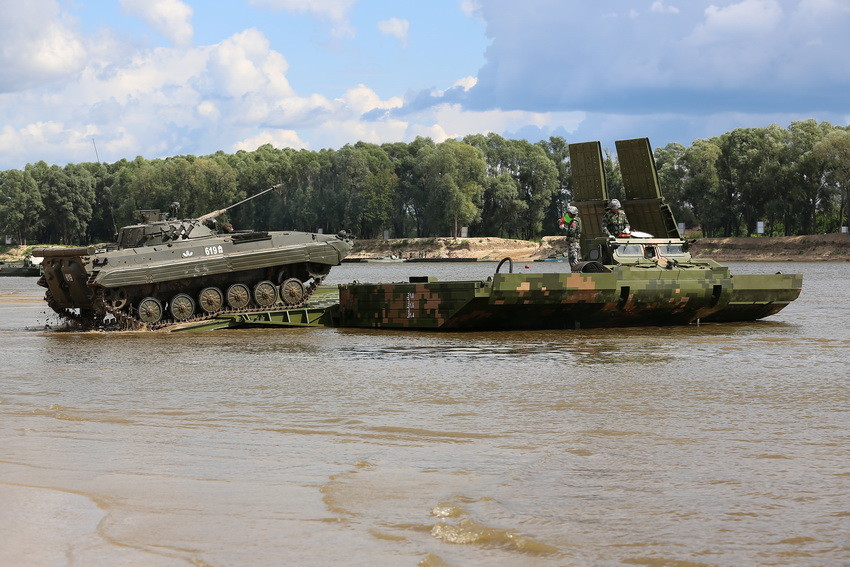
{"points": [[818, 247]]}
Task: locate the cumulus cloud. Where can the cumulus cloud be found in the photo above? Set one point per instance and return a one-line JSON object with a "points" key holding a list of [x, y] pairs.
{"points": [[777, 55], [166, 101], [37, 45], [362, 99], [171, 18], [660, 7], [470, 7], [277, 138], [746, 20], [395, 27], [333, 11], [574, 70]]}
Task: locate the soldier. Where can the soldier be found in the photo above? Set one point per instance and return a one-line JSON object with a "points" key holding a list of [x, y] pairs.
{"points": [[572, 224], [614, 220]]}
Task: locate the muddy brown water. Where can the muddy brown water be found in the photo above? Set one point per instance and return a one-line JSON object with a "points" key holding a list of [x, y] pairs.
{"points": [[700, 445]]}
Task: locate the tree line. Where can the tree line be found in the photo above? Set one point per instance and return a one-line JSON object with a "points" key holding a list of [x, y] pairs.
{"points": [[796, 180]]}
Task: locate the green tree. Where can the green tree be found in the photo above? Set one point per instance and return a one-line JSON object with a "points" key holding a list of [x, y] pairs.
{"points": [[68, 195], [21, 206], [557, 150], [613, 177], [363, 185], [701, 188], [256, 171], [409, 198], [453, 175], [833, 150], [536, 183], [806, 177], [749, 168], [671, 177]]}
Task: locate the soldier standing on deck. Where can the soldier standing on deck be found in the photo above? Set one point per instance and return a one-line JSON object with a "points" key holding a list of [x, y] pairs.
{"points": [[572, 224], [614, 220]]}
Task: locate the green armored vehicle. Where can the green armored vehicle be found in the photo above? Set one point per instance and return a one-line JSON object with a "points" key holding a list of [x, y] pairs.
{"points": [[168, 269], [644, 277]]}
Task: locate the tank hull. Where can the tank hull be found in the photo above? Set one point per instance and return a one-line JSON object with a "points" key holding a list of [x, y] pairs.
{"points": [[92, 282]]}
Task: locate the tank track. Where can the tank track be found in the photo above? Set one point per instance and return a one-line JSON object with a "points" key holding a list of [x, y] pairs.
{"points": [[125, 320], [83, 321]]}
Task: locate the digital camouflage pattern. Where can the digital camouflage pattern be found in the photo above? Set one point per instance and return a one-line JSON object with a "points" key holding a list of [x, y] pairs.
{"points": [[614, 222], [573, 230], [626, 296]]}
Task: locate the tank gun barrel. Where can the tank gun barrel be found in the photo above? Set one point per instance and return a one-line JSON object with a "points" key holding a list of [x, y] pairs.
{"points": [[214, 214]]}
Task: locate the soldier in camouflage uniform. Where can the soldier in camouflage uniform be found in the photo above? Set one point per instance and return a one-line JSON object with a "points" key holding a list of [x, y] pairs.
{"points": [[572, 224], [614, 220]]}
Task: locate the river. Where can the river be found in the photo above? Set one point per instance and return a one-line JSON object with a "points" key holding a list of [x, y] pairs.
{"points": [[718, 444]]}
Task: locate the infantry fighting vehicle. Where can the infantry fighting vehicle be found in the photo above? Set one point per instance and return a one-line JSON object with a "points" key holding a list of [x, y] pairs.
{"points": [[641, 278], [168, 269]]}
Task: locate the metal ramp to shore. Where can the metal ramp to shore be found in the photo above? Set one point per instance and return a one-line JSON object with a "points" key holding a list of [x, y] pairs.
{"points": [[320, 311]]}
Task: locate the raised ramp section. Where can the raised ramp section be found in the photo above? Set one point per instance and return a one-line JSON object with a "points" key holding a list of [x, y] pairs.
{"points": [[644, 204], [588, 172], [590, 189]]}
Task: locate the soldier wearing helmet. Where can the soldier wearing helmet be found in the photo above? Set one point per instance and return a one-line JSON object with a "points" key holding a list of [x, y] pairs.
{"points": [[614, 221], [572, 225]]}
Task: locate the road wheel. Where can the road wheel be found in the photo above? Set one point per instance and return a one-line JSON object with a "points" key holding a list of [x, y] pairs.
{"points": [[116, 298], [182, 306], [150, 310], [292, 291], [265, 294], [238, 296], [211, 299]]}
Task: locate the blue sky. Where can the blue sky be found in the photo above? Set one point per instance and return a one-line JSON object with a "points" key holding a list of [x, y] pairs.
{"points": [[166, 77]]}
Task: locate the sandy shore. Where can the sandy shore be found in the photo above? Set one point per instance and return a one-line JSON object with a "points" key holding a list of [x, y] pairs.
{"points": [[826, 247], [57, 527], [818, 247]]}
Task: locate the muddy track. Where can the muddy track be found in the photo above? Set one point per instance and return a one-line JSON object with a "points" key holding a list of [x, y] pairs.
{"points": [[103, 317]]}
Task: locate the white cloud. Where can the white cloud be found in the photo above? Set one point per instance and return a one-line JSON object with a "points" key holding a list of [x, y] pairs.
{"points": [[337, 133], [208, 110], [277, 138], [642, 76], [245, 63], [659, 7], [196, 100], [37, 45], [466, 83], [779, 56], [171, 18], [745, 20], [333, 11], [824, 7], [470, 7], [455, 121], [362, 99], [395, 27]]}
